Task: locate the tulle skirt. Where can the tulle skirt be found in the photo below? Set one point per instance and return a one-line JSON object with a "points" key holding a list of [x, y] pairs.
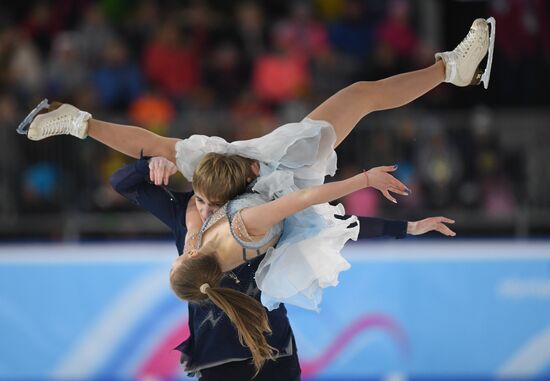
{"points": [[307, 257]]}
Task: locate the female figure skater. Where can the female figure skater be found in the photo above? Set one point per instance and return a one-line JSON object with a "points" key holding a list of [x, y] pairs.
{"points": [[301, 162], [213, 351]]}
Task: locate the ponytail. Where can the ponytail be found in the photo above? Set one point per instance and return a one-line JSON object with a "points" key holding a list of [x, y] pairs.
{"points": [[198, 278]]}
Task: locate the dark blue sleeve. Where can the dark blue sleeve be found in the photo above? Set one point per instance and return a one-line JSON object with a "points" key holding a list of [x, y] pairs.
{"points": [[371, 227], [132, 182]]}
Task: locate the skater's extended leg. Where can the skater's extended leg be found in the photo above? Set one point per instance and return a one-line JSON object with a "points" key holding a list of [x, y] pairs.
{"points": [[132, 140], [65, 119], [460, 67], [348, 106]]}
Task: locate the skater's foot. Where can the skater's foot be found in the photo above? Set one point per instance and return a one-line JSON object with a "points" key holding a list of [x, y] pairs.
{"points": [[56, 119], [462, 65]]}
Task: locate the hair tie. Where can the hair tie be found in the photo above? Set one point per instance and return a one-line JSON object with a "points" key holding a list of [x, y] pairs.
{"points": [[203, 287]]}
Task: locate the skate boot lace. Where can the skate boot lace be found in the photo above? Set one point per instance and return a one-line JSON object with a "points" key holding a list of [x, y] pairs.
{"points": [[464, 47], [61, 124]]}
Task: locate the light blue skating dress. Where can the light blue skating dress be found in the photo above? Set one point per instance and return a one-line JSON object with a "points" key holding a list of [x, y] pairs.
{"points": [[307, 257]]}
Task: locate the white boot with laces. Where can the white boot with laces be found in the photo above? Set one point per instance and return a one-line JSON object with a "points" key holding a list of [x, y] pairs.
{"points": [[462, 65], [63, 119]]}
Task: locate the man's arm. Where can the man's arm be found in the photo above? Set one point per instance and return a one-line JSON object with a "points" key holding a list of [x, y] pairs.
{"points": [[371, 227], [133, 182]]}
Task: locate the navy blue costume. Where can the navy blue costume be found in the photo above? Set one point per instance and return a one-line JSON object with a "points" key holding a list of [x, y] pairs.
{"points": [[213, 350]]}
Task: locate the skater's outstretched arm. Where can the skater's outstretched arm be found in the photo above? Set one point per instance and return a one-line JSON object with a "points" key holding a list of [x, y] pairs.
{"points": [[373, 227], [160, 171], [260, 218]]}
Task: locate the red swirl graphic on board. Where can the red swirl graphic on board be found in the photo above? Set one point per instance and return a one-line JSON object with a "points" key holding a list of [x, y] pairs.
{"points": [[311, 367], [163, 361]]}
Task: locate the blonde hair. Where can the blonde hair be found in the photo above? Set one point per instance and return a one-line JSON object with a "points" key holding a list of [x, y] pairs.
{"points": [[246, 313], [220, 178]]}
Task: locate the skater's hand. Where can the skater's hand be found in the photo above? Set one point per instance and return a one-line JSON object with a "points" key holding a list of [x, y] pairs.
{"points": [[160, 170], [429, 224], [380, 179]]}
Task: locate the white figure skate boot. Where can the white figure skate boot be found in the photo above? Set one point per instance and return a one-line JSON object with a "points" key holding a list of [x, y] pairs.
{"points": [[56, 119], [462, 65]]}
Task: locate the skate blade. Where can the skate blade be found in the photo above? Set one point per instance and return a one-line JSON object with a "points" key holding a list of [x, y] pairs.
{"points": [[23, 127], [487, 73]]}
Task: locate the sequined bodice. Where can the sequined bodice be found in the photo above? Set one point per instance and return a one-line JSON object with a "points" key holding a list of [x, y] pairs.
{"points": [[234, 238]]}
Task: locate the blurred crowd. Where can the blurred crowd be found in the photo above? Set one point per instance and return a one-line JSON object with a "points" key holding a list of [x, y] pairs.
{"points": [[238, 69]]}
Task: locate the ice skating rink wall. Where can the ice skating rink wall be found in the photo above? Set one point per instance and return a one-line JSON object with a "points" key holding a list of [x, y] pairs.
{"points": [[406, 310]]}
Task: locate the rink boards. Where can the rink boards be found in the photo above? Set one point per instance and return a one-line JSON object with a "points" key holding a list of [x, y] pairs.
{"points": [[406, 310]]}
